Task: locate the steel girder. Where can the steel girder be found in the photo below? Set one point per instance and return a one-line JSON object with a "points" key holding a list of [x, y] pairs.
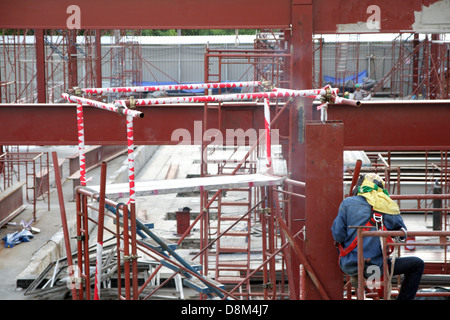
{"points": [[395, 125], [330, 16], [376, 125], [56, 124]]}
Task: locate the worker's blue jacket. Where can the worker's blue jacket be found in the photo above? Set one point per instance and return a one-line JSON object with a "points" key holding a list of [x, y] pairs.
{"points": [[355, 211]]}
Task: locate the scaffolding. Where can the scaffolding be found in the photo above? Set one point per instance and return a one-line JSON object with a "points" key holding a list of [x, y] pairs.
{"points": [[263, 202], [32, 168], [420, 68]]}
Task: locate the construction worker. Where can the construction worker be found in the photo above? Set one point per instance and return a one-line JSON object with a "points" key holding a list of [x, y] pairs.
{"points": [[358, 95], [372, 206]]}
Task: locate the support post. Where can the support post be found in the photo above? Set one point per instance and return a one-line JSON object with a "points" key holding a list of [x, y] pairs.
{"points": [[64, 221], [324, 193], [98, 59], [301, 110], [40, 66], [100, 224]]}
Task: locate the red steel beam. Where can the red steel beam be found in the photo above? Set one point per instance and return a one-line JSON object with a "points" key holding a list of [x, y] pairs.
{"points": [[329, 15], [56, 124], [376, 125], [395, 125], [144, 14]]}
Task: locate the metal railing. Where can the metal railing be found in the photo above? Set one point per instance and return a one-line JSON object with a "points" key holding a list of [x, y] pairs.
{"points": [[444, 265]]}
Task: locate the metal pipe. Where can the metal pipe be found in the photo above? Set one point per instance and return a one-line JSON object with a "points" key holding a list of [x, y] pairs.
{"points": [[100, 224], [419, 196], [295, 183], [82, 159], [302, 283], [241, 84], [64, 220], [119, 108], [401, 233], [355, 175], [267, 128], [277, 93]]}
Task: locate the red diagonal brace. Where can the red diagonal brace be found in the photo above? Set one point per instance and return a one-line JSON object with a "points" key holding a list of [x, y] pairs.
{"points": [[303, 259]]}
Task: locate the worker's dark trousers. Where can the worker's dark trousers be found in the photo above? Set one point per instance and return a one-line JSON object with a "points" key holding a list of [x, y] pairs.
{"points": [[412, 269]]}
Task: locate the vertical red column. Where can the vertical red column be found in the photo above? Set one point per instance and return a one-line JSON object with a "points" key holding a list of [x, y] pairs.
{"points": [[301, 110], [324, 193], [98, 59], [40, 66], [72, 52]]}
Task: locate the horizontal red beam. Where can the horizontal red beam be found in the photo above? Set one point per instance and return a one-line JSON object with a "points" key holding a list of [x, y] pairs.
{"points": [[328, 15], [395, 125], [376, 125], [147, 14], [56, 124]]}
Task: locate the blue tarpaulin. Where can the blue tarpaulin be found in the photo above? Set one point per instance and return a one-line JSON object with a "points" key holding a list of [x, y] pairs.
{"points": [[11, 239], [360, 76]]}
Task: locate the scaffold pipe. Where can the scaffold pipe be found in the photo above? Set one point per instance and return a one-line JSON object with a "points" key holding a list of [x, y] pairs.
{"points": [[82, 160], [130, 142], [193, 86], [350, 102], [267, 127], [118, 108], [279, 93], [101, 216]]}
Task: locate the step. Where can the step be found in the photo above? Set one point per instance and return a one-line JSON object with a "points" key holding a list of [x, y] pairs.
{"points": [[236, 233], [156, 246], [243, 204], [197, 267], [239, 189], [230, 279], [200, 286], [230, 218], [232, 249], [233, 264]]}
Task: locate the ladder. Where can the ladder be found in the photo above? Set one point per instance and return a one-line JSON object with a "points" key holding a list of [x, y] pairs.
{"points": [[233, 230], [233, 249], [175, 262]]}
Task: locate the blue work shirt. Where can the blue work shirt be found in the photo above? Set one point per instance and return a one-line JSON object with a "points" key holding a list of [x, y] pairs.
{"points": [[356, 211]]}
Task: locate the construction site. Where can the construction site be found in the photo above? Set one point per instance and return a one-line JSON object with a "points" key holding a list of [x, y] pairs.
{"points": [[136, 166]]}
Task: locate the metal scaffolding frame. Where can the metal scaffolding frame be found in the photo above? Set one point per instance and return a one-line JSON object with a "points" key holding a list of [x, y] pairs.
{"points": [[31, 167]]}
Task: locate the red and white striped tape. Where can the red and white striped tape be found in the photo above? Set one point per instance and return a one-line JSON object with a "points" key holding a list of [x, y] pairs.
{"points": [[241, 84], [98, 270], [279, 93], [81, 148], [267, 127], [106, 106], [130, 143]]}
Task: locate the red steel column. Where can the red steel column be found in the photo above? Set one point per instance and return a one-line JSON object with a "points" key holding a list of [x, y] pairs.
{"points": [[301, 110], [98, 59], [40, 66], [72, 52], [324, 193]]}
